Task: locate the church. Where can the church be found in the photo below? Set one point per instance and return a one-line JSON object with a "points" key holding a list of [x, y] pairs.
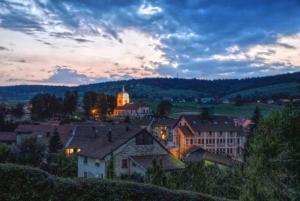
{"points": [[125, 108]]}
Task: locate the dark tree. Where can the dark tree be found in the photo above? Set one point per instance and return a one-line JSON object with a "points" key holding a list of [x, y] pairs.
{"points": [[164, 108], [70, 102], [31, 152], [205, 113], [55, 143], [155, 175], [45, 106], [89, 101], [238, 100], [256, 115], [18, 110], [272, 170], [104, 105], [127, 119]]}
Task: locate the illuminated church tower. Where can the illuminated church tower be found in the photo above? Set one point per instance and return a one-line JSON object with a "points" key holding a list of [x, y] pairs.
{"points": [[122, 97]]}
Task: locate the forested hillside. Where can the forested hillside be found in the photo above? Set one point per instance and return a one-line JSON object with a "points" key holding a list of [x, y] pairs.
{"points": [[279, 85]]}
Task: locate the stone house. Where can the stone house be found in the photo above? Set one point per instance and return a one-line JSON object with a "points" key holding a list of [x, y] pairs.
{"points": [[131, 149]]}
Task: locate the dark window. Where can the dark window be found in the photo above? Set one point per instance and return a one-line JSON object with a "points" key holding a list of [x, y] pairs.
{"points": [[97, 164], [191, 141], [124, 163], [144, 139], [85, 160], [199, 141]]}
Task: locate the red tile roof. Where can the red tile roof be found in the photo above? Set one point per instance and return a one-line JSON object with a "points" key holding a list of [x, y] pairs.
{"points": [[8, 137], [44, 131], [130, 106]]}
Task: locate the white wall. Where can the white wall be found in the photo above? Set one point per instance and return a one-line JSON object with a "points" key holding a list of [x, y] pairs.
{"points": [[90, 167]]}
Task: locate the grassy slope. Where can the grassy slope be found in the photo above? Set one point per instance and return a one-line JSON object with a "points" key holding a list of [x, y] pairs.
{"points": [[19, 183]]}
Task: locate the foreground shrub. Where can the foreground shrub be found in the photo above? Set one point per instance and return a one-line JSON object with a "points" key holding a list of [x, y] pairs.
{"points": [[21, 183]]}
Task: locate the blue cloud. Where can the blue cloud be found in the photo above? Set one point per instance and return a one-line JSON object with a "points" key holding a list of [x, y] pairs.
{"points": [[187, 29]]}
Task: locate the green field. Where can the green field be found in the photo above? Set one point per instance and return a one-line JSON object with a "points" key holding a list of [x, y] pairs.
{"points": [[224, 109], [219, 109]]}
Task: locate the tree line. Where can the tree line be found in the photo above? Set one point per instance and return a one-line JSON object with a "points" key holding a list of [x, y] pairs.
{"points": [[46, 106]]}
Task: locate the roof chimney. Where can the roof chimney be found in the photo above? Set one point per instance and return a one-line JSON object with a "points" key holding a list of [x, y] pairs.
{"points": [[95, 131], [109, 135]]}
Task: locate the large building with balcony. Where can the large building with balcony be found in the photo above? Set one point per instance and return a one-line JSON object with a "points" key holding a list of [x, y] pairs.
{"points": [[216, 134]]}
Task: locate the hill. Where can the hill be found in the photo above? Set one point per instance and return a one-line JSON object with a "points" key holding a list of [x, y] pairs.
{"points": [[156, 88], [18, 183]]}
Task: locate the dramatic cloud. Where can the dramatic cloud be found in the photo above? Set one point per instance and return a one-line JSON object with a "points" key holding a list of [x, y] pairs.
{"points": [[133, 39]]}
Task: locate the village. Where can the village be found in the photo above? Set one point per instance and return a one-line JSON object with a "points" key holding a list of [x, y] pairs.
{"points": [[133, 137]]}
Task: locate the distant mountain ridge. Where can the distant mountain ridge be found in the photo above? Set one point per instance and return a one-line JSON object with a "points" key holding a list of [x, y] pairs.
{"points": [[169, 87]]}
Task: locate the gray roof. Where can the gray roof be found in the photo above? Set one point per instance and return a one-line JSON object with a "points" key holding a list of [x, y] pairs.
{"points": [[164, 122], [167, 161], [93, 141], [214, 123], [200, 154]]}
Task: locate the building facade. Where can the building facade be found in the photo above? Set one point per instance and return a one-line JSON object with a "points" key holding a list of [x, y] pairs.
{"points": [[217, 134]]}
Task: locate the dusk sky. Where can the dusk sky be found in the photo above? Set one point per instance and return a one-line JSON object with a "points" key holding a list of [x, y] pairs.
{"points": [[88, 41]]}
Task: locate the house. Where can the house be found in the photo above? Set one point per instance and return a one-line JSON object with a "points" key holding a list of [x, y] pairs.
{"points": [[43, 132], [8, 137], [130, 149], [125, 108], [199, 154], [162, 129], [215, 134]]}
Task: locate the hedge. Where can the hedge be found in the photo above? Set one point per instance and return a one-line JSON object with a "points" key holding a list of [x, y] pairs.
{"points": [[22, 183]]}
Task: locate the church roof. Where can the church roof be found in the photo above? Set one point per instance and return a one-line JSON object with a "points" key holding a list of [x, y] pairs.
{"points": [[131, 106]]}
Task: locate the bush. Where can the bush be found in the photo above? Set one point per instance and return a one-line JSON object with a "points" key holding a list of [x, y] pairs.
{"points": [[19, 183]]}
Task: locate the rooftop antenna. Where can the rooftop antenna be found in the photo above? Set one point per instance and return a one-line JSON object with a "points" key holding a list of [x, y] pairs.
{"points": [[123, 88], [177, 75]]}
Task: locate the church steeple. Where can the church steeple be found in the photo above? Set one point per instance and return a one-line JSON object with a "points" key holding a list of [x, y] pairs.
{"points": [[122, 97]]}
